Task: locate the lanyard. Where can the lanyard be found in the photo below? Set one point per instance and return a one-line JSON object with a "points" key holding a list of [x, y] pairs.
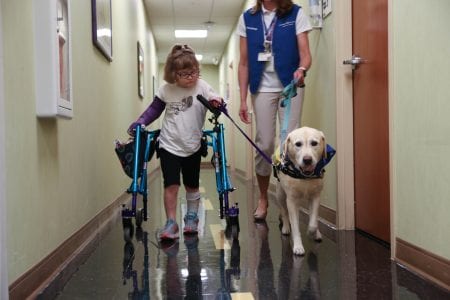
{"points": [[268, 32]]}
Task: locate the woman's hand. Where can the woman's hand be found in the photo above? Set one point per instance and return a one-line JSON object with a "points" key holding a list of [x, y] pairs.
{"points": [[299, 75], [243, 113]]}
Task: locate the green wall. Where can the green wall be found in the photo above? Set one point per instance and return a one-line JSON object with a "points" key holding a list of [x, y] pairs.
{"points": [[420, 100], [319, 105], [61, 173]]}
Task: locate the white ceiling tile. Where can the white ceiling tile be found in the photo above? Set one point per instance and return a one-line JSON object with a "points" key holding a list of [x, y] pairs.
{"points": [[165, 16]]}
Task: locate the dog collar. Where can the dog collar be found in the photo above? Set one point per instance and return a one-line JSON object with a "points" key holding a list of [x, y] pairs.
{"points": [[286, 166]]}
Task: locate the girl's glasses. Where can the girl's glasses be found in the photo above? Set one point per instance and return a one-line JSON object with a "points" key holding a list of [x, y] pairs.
{"points": [[186, 75]]}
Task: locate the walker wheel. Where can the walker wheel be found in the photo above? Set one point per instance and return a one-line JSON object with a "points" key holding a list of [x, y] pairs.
{"points": [[139, 217], [232, 228], [128, 231]]}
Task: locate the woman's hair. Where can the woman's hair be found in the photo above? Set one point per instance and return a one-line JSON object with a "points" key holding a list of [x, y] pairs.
{"points": [[180, 57], [283, 7]]}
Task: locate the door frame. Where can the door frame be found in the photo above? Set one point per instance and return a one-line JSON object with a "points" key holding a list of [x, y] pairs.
{"points": [[3, 248], [345, 214], [344, 120]]}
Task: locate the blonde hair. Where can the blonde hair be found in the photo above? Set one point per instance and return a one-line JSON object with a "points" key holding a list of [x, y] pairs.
{"points": [[180, 57], [284, 6]]}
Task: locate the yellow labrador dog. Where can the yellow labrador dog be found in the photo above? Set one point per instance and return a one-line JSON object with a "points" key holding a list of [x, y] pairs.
{"points": [[302, 150]]}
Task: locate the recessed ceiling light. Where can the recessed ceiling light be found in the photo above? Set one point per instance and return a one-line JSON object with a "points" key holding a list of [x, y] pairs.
{"points": [[191, 33], [199, 57]]}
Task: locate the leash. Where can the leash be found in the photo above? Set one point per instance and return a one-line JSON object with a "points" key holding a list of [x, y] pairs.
{"points": [[224, 110], [289, 92]]}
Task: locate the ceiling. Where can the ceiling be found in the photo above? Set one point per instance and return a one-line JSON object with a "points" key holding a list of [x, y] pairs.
{"points": [[167, 15]]}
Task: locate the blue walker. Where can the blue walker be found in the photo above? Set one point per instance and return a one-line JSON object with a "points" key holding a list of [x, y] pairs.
{"points": [[135, 155], [216, 139]]}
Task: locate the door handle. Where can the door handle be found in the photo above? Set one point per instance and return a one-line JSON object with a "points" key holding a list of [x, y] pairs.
{"points": [[355, 61]]}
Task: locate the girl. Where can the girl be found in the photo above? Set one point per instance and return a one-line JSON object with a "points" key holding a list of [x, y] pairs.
{"points": [[181, 133]]}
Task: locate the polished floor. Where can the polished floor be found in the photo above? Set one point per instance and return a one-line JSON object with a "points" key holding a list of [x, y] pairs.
{"points": [[257, 265]]}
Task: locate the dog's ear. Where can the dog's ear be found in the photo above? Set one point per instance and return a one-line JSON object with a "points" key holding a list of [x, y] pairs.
{"points": [[285, 146], [324, 145]]}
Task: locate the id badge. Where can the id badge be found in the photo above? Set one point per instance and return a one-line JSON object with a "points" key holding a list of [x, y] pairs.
{"points": [[264, 56]]}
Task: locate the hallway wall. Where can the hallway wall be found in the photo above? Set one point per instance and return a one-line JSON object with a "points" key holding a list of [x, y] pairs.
{"points": [[319, 106], [61, 173], [419, 73]]}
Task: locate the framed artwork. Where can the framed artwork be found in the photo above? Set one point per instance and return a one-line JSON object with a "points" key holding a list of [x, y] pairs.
{"points": [[140, 69], [315, 13], [326, 8], [64, 47], [53, 53], [102, 27]]}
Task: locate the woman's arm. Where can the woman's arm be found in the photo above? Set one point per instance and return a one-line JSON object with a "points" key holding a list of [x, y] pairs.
{"points": [[243, 79], [305, 57]]}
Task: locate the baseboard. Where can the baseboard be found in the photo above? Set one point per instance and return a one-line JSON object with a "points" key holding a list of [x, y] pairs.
{"points": [[424, 263], [242, 174], [48, 277]]}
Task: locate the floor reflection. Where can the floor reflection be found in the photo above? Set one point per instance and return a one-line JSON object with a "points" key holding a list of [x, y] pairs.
{"points": [[129, 272], [254, 262]]}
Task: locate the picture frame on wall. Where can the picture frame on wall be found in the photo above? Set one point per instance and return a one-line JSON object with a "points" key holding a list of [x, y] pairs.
{"points": [[326, 8], [315, 13], [53, 58], [102, 27], [140, 69]]}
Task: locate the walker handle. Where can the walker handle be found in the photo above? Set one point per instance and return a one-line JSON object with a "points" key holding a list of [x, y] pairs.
{"points": [[206, 103]]}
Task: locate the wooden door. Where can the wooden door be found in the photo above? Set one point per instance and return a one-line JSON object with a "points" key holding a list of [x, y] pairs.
{"points": [[371, 118]]}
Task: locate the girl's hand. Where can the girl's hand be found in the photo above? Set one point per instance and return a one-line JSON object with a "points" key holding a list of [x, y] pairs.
{"points": [[132, 128], [215, 102]]}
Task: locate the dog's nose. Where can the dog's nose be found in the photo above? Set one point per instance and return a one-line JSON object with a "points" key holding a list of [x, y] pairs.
{"points": [[307, 160]]}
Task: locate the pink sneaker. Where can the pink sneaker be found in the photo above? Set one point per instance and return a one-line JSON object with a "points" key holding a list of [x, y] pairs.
{"points": [[170, 231], [190, 223]]}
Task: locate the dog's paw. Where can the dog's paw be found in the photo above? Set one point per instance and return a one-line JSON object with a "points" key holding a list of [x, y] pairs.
{"points": [[298, 250], [315, 234]]}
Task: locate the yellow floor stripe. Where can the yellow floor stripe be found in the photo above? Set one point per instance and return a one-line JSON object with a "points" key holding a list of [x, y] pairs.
{"points": [[219, 237], [207, 204], [242, 296], [201, 190]]}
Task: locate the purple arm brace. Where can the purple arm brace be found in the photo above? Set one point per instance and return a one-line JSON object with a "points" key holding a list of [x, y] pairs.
{"points": [[152, 113]]}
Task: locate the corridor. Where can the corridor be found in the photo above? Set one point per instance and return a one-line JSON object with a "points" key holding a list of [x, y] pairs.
{"points": [[257, 265], [75, 74]]}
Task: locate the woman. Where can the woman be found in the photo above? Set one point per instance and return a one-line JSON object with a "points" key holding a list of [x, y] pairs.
{"points": [[274, 50]]}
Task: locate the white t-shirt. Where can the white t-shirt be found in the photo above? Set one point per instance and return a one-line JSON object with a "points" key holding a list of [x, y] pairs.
{"points": [[181, 129], [270, 81]]}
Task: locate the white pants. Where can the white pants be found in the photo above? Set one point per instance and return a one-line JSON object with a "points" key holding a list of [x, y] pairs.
{"points": [[265, 107]]}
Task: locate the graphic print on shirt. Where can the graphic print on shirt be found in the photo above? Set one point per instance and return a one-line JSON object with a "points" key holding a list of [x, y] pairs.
{"points": [[177, 107]]}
